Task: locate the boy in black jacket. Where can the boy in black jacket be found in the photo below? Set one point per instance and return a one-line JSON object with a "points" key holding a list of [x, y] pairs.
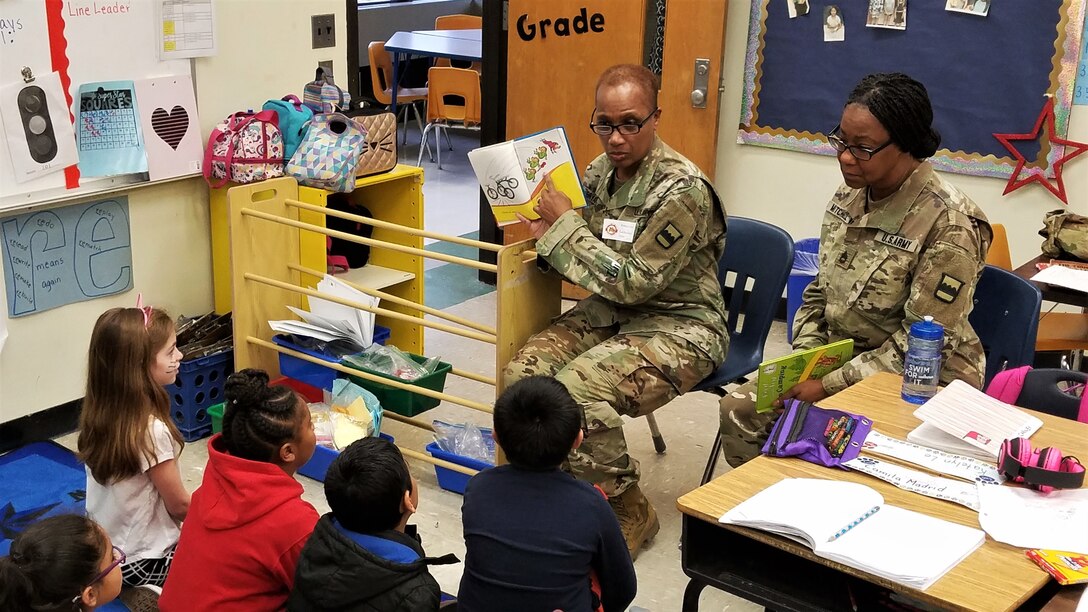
{"points": [[363, 555], [534, 535]]}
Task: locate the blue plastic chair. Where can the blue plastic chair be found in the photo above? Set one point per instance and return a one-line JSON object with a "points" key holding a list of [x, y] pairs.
{"points": [[1006, 319], [761, 254]]}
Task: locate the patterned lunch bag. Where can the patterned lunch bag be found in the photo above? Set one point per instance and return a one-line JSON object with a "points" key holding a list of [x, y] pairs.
{"points": [[329, 153], [244, 148]]}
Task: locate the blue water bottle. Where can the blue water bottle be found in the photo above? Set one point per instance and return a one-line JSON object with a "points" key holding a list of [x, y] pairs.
{"points": [[922, 363]]}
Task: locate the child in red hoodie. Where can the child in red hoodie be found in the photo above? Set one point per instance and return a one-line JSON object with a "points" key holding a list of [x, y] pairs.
{"points": [[247, 522]]}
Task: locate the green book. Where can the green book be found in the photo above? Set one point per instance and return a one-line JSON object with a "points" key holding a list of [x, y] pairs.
{"points": [[776, 376]]}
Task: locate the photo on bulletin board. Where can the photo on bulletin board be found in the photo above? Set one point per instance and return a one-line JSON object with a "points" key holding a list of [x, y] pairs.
{"points": [[1020, 54], [834, 26], [973, 7]]}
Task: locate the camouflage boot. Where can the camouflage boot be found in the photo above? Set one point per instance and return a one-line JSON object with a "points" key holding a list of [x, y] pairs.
{"points": [[638, 519]]}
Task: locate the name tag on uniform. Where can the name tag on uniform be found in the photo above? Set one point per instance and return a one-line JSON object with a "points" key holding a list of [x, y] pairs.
{"points": [[840, 213], [897, 241], [614, 229]]}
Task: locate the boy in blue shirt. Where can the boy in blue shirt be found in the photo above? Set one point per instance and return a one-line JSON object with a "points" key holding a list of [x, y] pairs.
{"points": [[364, 555], [534, 534]]}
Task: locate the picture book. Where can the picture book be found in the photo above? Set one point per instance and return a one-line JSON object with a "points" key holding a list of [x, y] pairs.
{"points": [[776, 376], [1065, 567], [961, 419], [512, 173], [849, 523]]}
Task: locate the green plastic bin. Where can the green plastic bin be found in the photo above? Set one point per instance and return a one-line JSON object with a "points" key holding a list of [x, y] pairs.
{"points": [[403, 402], [216, 412]]}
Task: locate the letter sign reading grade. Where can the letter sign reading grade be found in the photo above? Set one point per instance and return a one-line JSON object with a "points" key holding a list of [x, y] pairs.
{"points": [[561, 26]]}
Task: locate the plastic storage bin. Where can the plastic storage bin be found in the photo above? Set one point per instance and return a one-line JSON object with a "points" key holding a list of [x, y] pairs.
{"points": [[199, 386], [803, 273], [449, 479], [311, 373], [404, 402], [308, 393], [318, 465]]}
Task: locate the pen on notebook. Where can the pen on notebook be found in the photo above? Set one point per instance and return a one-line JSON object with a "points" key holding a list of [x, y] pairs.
{"points": [[854, 524]]}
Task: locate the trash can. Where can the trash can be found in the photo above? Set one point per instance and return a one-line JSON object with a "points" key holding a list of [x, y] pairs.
{"points": [[805, 265]]}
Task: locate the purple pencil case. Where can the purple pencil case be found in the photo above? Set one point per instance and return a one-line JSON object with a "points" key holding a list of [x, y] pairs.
{"points": [[817, 435]]}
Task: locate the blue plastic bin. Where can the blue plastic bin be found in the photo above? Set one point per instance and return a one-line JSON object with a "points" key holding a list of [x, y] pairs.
{"points": [[199, 386], [449, 479], [803, 273], [318, 465], [311, 373]]}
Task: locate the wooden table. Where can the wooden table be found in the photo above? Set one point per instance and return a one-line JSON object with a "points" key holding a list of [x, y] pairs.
{"points": [[1051, 293], [784, 575], [453, 44]]}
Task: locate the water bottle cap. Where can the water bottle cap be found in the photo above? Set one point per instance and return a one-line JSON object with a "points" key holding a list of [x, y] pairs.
{"points": [[927, 329]]}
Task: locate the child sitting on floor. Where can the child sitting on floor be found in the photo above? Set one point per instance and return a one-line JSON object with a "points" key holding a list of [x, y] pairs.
{"points": [[534, 534], [64, 562], [364, 555], [248, 521]]}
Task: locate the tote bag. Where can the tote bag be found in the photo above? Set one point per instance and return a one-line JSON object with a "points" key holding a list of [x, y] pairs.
{"points": [[329, 153]]}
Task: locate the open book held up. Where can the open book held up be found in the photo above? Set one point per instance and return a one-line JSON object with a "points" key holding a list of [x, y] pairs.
{"points": [[512, 173], [849, 523], [776, 376]]}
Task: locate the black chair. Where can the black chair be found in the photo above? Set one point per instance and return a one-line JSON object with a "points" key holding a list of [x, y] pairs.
{"points": [[752, 272], [1006, 319]]}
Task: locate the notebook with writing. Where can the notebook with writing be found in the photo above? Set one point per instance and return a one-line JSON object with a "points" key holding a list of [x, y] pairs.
{"points": [[849, 523]]}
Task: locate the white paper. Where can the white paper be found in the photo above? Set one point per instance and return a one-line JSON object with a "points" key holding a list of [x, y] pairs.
{"points": [[973, 417], [186, 28], [40, 140], [959, 466], [1062, 276], [360, 321], [1026, 518], [301, 328], [937, 487]]}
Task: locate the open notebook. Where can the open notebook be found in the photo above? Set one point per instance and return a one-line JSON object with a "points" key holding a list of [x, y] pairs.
{"points": [[901, 545]]}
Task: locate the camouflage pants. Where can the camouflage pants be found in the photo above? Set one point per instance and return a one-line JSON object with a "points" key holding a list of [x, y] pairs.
{"points": [[743, 429], [609, 373]]}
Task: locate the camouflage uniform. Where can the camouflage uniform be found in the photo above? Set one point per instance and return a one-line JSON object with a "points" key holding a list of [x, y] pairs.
{"points": [[919, 252], [655, 325]]}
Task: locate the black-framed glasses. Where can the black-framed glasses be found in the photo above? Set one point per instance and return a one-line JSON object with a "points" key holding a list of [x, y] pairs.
{"points": [[860, 153], [627, 129]]}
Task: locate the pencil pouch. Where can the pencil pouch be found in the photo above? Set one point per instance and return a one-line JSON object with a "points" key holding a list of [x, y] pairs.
{"points": [[817, 435]]}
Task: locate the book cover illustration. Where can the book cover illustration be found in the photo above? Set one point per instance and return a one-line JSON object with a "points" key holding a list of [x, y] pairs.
{"points": [[512, 173], [776, 376], [1065, 567]]}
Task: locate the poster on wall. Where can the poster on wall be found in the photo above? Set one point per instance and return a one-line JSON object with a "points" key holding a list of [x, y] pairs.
{"points": [[171, 126], [37, 129], [65, 255]]}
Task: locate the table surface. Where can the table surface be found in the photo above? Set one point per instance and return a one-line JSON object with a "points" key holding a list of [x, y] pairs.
{"points": [[454, 44], [1051, 293], [995, 577]]}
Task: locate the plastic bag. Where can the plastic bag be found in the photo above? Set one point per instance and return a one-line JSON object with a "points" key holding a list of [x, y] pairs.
{"points": [[466, 440], [805, 263], [392, 361], [321, 415], [356, 402]]}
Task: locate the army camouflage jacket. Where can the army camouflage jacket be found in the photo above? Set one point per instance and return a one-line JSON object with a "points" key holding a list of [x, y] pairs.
{"points": [[918, 252], [663, 281]]}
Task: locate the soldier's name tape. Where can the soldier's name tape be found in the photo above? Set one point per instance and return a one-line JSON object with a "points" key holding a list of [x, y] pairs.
{"points": [[967, 468], [956, 491]]}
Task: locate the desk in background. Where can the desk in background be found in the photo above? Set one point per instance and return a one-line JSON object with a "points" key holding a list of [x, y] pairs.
{"points": [[785, 575], [1051, 293], [453, 44]]}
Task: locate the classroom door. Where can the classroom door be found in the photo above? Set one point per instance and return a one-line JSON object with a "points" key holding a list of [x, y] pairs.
{"points": [[693, 51]]}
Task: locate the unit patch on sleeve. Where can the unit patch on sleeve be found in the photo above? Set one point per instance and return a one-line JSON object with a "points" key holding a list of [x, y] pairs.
{"points": [[668, 236], [948, 289]]}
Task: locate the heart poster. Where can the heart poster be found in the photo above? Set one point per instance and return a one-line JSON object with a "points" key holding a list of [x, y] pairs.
{"points": [[170, 126]]}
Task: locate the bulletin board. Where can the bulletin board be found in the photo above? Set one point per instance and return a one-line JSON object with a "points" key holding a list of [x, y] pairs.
{"points": [[83, 42], [984, 75]]}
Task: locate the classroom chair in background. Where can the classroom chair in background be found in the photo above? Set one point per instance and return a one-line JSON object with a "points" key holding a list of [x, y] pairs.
{"points": [[758, 257], [1006, 319], [453, 100], [458, 22], [381, 78]]}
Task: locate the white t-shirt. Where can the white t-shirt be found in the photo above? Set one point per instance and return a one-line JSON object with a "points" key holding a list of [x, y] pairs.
{"points": [[131, 510]]}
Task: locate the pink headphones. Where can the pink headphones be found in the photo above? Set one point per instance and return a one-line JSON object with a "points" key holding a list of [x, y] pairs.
{"points": [[1044, 470]]}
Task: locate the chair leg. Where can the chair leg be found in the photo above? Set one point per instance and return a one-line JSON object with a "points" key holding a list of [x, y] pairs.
{"points": [[423, 143], [712, 461], [448, 141], [655, 433], [439, 128]]}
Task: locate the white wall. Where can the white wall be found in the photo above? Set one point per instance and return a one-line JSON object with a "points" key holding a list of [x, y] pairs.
{"points": [[43, 362], [791, 189]]}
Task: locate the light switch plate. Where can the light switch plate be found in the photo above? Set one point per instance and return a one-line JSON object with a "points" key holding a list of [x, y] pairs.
{"points": [[323, 29]]}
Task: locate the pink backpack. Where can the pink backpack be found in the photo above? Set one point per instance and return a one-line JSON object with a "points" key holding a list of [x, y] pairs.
{"points": [[244, 148], [1008, 385]]}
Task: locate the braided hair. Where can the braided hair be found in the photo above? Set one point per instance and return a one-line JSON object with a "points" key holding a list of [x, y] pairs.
{"points": [[50, 563], [902, 106], [258, 419]]}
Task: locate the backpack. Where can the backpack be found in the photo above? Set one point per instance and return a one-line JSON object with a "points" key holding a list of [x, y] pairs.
{"points": [[380, 154], [329, 153], [292, 115], [1038, 390], [323, 96], [342, 253], [245, 147]]}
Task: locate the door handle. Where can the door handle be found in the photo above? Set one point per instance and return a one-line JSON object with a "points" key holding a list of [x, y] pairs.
{"points": [[700, 82]]}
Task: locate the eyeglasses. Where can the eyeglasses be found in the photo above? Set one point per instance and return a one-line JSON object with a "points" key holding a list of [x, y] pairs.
{"points": [[118, 559], [627, 129], [860, 153], [145, 309]]}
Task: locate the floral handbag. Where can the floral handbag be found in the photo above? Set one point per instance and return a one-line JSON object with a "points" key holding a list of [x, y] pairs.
{"points": [[329, 153], [244, 148]]}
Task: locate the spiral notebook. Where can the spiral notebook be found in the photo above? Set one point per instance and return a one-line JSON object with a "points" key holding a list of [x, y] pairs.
{"points": [[849, 523]]}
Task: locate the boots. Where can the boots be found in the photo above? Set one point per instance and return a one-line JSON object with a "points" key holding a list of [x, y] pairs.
{"points": [[638, 519]]}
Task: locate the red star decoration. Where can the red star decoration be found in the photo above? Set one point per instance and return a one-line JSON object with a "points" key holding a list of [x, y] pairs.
{"points": [[1072, 149]]}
